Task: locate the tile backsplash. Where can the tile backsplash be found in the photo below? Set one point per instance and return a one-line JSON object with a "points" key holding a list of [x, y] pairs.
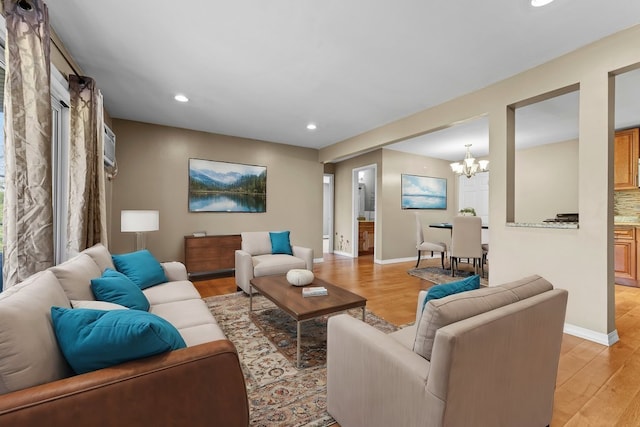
{"points": [[626, 203]]}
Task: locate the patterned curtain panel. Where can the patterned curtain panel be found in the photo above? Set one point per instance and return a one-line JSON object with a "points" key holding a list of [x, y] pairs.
{"points": [[28, 212], [87, 223]]}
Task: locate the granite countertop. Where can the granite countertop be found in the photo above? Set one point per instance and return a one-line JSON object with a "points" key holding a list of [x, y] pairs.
{"points": [[626, 220], [564, 225]]}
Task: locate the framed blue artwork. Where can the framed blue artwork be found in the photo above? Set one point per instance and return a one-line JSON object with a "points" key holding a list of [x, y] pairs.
{"points": [[226, 187], [423, 192]]}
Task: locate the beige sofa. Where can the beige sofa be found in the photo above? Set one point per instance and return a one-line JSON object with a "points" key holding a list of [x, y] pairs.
{"points": [[491, 360], [197, 385], [255, 259]]}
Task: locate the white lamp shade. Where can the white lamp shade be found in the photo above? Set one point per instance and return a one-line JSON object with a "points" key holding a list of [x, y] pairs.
{"points": [[139, 221]]}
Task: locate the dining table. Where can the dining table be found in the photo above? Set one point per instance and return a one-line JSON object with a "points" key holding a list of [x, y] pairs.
{"points": [[449, 225]]}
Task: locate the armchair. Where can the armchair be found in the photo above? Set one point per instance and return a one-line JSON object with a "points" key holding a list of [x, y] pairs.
{"points": [[256, 259], [493, 362]]}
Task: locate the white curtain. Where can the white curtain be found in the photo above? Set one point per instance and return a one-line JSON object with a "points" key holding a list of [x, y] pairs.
{"points": [[28, 211], [87, 223]]}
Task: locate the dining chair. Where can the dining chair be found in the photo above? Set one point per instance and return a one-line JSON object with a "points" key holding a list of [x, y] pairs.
{"points": [[485, 253], [485, 246], [466, 241], [432, 247]]}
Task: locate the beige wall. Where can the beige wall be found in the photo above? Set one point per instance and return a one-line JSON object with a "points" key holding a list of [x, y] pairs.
{"points": [[153, 174], [546, 179], [398, 236], [395, 228], [581, 260], [546, 184], [158, 155]]}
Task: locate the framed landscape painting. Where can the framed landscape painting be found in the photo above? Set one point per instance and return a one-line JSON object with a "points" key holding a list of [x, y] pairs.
{"points": [[226, 187], [423, 192]]}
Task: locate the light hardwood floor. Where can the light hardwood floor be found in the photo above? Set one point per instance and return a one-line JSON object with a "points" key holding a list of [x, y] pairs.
{"points": [[596, 385]]}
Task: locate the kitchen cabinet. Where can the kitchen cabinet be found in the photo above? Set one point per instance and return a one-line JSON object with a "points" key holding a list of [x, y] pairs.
{"points": [[366, 239], [626, 255], [626, 151]]}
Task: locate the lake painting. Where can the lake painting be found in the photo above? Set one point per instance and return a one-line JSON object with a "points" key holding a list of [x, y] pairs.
{"points": [[226, 187], [423, 192]]}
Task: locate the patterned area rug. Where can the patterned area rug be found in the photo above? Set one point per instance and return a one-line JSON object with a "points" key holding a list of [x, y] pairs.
{"points": [[439, 275], [280, 394]]}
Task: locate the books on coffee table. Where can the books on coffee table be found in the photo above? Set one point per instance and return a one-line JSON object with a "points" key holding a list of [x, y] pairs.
{"points": [[314, 291]]}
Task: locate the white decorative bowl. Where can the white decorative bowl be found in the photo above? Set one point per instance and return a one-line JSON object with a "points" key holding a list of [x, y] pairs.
{"points": [[299, 277]]}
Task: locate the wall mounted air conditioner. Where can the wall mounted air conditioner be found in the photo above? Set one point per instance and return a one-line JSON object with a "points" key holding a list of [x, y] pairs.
{"points": [[109, 147]]}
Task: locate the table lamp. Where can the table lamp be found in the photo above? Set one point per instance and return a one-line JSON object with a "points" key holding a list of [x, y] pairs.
{"points": [[139, 222]]}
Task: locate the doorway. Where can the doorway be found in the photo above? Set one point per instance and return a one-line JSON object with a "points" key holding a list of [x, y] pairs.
{"points": [[327, 213], [364, 210]]}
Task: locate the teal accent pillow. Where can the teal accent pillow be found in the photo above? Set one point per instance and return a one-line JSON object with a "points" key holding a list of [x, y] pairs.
{"points": [[141, 267], [440, 291], [115, 287], [95, 339], [280, 242]]}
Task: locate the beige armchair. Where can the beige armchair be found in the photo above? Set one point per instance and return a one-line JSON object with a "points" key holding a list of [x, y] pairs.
{"points": [[255, 259], [493, 361]]}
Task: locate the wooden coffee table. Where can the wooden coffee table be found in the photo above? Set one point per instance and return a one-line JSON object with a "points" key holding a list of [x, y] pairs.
{"points": [[289, 298]]}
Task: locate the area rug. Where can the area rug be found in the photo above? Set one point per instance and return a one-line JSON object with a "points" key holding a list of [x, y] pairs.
{"points": [[280, 394], [437, 275]]}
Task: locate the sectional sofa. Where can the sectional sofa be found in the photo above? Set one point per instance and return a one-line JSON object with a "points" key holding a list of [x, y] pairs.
{"points": [[200, 384]]}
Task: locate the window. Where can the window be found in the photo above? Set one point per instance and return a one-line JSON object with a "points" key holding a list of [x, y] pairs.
{"points": [[59, 156]]}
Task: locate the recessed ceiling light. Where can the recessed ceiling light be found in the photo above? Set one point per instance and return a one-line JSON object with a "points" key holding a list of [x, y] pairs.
{"points": [[181, 98], [312, 126], [540, 3]]}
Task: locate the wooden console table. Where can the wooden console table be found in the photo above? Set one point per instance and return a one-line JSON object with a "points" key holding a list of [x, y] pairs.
{"points": [[210, 256]]}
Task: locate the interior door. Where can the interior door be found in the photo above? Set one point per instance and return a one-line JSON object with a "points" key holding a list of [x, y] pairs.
{"points": [[327, 213], [474, 193]]}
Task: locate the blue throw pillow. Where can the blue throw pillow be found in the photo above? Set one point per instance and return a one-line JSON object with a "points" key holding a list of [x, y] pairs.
{"points": [[280, 242], [115, 287], [95, 339], [440, 291], [141, 267]]}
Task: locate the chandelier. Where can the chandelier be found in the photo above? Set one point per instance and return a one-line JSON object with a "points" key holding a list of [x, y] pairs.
{"points": [[468, 167]]}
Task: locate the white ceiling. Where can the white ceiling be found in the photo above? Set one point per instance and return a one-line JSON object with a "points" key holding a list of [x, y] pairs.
{"points": [[264, 69]]}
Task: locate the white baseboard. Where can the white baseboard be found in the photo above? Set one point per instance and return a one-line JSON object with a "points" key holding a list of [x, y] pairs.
{"points": [[413, 258], [343, 253], [389, 261], [316, 260], [597, 337], [396, 260]]}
